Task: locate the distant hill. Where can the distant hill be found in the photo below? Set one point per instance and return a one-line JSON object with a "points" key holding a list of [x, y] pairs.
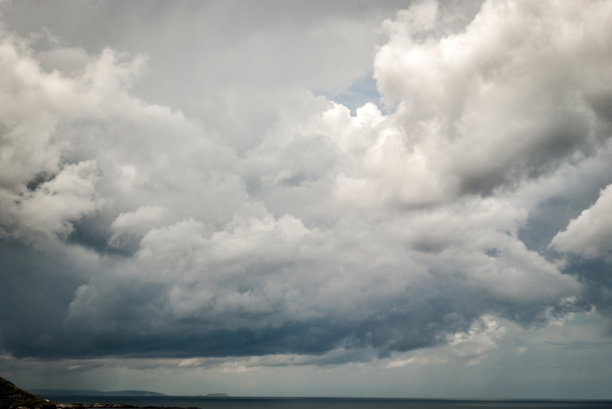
{"points": [[91, 392], [12, 397]]}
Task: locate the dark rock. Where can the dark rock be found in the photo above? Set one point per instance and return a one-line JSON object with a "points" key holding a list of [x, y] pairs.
{"points": [[12, 397]]}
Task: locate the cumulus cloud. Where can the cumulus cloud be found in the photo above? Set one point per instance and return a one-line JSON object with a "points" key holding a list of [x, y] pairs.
{"points": [[272, 285], [590, 234], [50, 208], [289, 226], [488, 106], [128, 228], [470, 346]]}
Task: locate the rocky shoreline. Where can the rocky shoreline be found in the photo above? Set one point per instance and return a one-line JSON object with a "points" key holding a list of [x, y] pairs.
{"points": [[53, 405], [41, 403], [113, 405]]}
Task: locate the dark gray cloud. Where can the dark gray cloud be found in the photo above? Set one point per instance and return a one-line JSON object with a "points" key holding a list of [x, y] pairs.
{"points": [[37, 287]]}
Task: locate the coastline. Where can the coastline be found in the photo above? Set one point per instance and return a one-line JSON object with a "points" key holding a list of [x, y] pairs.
{"points": [[61, 405]]}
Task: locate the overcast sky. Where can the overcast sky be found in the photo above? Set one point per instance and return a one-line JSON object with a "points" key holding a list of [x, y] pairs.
{"points": [[307, 198]]}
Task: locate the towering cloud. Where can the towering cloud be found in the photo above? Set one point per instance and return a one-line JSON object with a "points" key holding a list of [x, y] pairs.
{"points": [[511, 96]]}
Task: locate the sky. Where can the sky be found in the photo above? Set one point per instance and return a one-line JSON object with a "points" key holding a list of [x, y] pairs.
{"points": [[307, 198]]}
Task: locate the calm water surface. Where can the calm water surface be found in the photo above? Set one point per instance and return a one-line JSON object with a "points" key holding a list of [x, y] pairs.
{"points": [[329, 403]]}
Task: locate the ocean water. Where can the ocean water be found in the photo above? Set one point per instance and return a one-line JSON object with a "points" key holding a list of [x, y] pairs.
{"points": [[206, 402]]}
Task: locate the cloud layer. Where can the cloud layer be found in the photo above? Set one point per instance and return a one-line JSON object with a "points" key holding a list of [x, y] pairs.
{"points": [[288, 225]]}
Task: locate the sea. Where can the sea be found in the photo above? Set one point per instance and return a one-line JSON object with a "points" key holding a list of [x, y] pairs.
{"points": [[222, 402]]}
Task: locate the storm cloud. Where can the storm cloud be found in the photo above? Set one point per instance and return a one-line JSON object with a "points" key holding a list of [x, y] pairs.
{"points": [[259, 217]]}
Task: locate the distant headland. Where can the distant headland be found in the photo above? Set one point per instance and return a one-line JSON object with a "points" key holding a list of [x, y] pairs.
{"points": [[93, 392]]}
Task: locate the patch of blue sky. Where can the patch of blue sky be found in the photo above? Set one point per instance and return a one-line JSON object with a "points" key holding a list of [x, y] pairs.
{"points": [[358, 93]]}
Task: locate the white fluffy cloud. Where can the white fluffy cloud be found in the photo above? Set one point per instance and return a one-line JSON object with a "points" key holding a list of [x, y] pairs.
{"points": [[590, 234], [51, 208], [522, 86]]}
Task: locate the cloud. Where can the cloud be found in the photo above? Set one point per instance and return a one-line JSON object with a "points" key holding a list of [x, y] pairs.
{"points": [[128, 228], [285, 225], [265, 285], [51, 207], [505, 99], [470, 346], [585, 253], [590, 234]]}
